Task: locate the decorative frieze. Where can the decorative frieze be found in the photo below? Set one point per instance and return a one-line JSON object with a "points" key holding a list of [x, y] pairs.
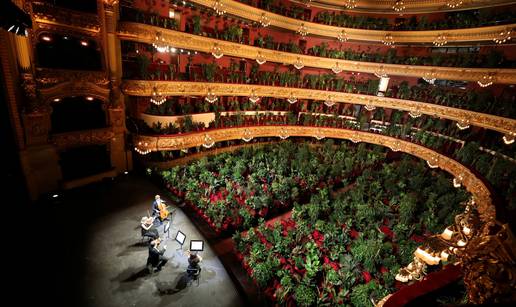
{"points": [[81, 138]]}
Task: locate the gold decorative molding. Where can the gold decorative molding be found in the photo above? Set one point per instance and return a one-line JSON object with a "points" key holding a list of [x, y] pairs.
{"points": [[179, 88], [147, 34], [81, 138], [74, 88], [45, 13], [49, 77], [473, 184], [411, 6], [453, 35]]}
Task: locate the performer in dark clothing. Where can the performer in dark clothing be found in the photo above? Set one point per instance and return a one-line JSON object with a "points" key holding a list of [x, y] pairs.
{"points": [[148, 229], [155, 209], [156, 258], [194, 268]]}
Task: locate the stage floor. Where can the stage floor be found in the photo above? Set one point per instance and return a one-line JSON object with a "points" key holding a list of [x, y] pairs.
{"points": [[104, 259]]}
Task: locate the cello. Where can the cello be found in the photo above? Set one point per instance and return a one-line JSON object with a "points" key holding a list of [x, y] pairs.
{"points": [[163, 211]]}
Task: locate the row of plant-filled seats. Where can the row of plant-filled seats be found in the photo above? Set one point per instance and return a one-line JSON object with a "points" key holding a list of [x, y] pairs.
{"points": [[234, 190], [493, 159], [264, 38], [347, 248], [451, 20], [137, 15]]}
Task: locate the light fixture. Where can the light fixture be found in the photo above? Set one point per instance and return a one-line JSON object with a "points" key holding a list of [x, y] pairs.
{"points": [[283, 133], [350, 4], [433, 162], [57, 99], [396, 146], [453, 3], [157, 98], [142, 148], [336, 68], [388, 40], [380, 72], [429, 76], [159, 43], [355, 139], [84, 43], [302, 30], [126, 172], [463, 124], [503, 36], [173, 50], [219, 7], [210, 97], [486, 80], [343, 36], [216, 51], [264, 20], [298, 64], [46, 38], [440, 40], [260, 59], [247, 136], [55, 196], [508, 138], [319, 135], [184, 150], [457, 181], [369, 107], [89, 98], [330, 101], [415, 113], [208, 141], [398, 6], [253, 97], [292, 99]]}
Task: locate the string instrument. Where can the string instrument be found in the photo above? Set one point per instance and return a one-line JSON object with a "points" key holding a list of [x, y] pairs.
{"points": [[163, 212]]}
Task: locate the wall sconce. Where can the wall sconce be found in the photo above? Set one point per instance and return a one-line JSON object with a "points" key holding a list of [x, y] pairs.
{"points": [[260, 59], [350, 4], [440, 40], [330, 101], [292, 99], [380, 72], [142, 148], [157, 98], [369, 107], [159, 43], [211, 97], [283, 133], [264, 21], [343, 36], [457, 181], [508, 138], [298, 64], [219, 7], [429, 76], [247, 136], [208, 141], [398, 6], [388, 40], [433, 162], [336, 68], [254, 98], [415, 113], [302, 30], [487, 80], [454, 3], [463, 124], [319, 135], [503, 36]]}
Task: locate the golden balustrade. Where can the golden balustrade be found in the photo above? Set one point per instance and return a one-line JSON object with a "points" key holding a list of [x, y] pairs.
{"points": [[473, 184], [147, 34], [180, 88], [403, 37]]}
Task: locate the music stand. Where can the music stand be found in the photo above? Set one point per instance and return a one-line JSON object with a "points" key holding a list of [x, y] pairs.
{"points": [[166, 229], [196, 245], [180, 238]]}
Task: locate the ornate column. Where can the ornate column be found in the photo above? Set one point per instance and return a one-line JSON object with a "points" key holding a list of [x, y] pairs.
{"points": [[109, 11]]}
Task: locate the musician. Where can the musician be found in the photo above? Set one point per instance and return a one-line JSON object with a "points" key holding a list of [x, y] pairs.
{"points": [[148, 228], [156, 258], [194, 261], [155, 205]]}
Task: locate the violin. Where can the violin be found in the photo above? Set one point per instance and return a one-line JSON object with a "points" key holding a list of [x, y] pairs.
{"points": [[163, 212]]}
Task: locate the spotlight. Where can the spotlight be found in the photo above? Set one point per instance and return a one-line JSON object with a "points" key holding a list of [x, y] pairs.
{"points": [[84, 43], [55, 196], [126, 172], [46, 38], [89, 98]]}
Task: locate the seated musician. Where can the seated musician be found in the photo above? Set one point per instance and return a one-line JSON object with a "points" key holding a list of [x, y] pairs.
{"points": [[148, 229], [156, 257], [194, 267], [155, 204]]}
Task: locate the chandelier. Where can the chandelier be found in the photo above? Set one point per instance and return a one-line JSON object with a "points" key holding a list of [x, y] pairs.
{"points": [[415, 113], [260, 59], [380, 72], [292, 99], [369, 107], [388, 40], [509, 138], [208, 141], [298, 64], [264, 21], [253, 98], [159, 43], [457, 181], [429, 76], [433, 162], [307, 2], [440, 40], [343, 36], [247, 136], [319, 135], [211, 97], [283, 133], [142, 148], [396, 146], [398, 6], [486, 80], [350, 4], [355, 138], [330, 101], [336, 68], [219, 7], [454, 3], [216, 51], [157, 98], [463, 124], [302, 30], [503, 36]]}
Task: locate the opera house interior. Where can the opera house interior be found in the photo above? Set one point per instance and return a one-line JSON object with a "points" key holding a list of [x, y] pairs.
{"points": [[259, 152]]}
